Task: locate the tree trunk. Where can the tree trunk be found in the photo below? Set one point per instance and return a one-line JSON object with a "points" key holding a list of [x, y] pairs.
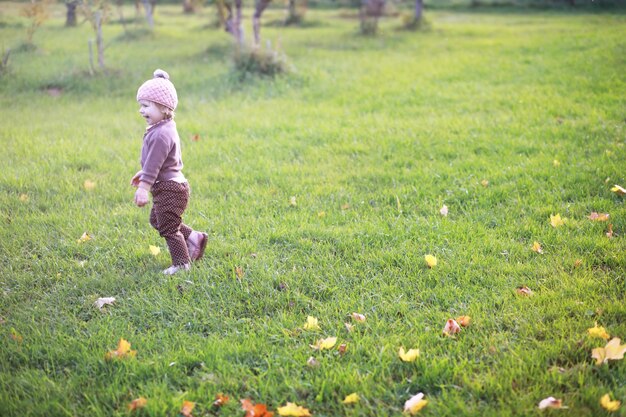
{"points": [[237, 29], [188, 7], [419, 9], [70, 17], [261, 5], [99, 40], [148, 8]]}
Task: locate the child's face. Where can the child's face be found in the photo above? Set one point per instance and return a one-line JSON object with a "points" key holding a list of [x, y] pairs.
{"points": [[150, 111]]}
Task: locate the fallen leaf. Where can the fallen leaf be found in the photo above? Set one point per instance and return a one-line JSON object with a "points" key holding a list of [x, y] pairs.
{"points": [[327, 343], [598, 217], [294, 410], [525, 291], [358, 317], [311, 323], [556, 163], [443, 210], [102, 301], [239, 272], [609, 232], [255, 410], [342, 349], [349, 327], [451, 327], [195, 137], [551, 402], [431, 261], [464, 321], [556, 220], [16, 336], [23, 198], [137, 403], [578, 263], [187, 408], [612, 351], [609, 405], [351, 399], [321, 214], [409, 356], [312, 362], [537, 247], [154, 250], [122, 351], [618, 190], [292, 201], [598, 332], [84, 238], [89, 185], [484, 183], [220, 400], [345, 206], [415, 403]]}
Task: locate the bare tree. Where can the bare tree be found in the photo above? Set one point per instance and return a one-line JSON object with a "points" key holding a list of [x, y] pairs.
{"points": [[70, 16], [371, 11], [96, 12], [259, 8]]}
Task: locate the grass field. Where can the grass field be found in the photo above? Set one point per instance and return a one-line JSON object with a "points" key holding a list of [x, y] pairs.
{"points": [[507, 117]]}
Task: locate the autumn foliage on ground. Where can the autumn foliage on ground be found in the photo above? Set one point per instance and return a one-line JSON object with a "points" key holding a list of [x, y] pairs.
{"points": [[420, 223]]}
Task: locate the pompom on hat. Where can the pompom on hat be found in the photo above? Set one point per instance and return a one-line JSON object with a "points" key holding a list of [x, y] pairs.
{"points": [[159, 90]]}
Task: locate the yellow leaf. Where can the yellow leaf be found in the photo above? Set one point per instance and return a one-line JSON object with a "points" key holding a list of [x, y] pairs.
{"points": [[409, 356], [155, 250], [123, 350], [358, 317], [451, 327], [556, 220], [321, 214], [556, 163], [311, 324], [598, 332], [239, 272], [327, 343], [351, 399], [292, 201], [349, 327], [84, 238], [23, 198], [612, 351], [431, 261], [187, 408], [618, 190], [415, 403], [464, 321], [137, 403], [294, 410], [484, 183], [537, 247], [551, 402], [609, 405], [89, 185], [16, 336]]}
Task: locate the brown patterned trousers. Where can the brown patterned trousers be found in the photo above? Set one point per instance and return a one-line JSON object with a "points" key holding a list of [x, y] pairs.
{"points": [[169, 201]]}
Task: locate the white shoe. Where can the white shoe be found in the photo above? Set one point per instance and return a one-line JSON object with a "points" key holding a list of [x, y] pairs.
{"points": [[175, 268]]}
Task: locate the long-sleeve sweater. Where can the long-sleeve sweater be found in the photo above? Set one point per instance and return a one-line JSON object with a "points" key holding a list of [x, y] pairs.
{"points": [[160, 154]]}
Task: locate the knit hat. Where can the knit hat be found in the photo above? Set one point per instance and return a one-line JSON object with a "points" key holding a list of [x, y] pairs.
{"points": [[159, 89]]}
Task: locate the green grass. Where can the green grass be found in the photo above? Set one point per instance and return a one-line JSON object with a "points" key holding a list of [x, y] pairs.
{"points": [[372, 135]]}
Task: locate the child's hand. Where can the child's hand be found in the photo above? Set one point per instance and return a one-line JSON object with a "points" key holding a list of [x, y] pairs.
{"points": [[141, 197], [135, 181]]}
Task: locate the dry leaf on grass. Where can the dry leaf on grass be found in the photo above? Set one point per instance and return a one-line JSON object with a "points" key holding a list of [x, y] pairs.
{"points": [[311, 323], [537, 247], [612, 351], [294, 410], [84, 237], [255, 410], [524, 291], [409, 356], [598, 332], [137, 403], [89, 185], [154, 250], [431, 261], [618, 190], [415, 403], [551, 402], [609, 405], [351, 399], [327, 343], [123, 350], [464, 321], [451, 327], [556, 220], [187, 408], [443, 210], [220, 400], [102, 301], [598, 217], [358, 317]]}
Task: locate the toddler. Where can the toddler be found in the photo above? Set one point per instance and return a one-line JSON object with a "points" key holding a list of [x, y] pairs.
{"points": [[161, 173]]}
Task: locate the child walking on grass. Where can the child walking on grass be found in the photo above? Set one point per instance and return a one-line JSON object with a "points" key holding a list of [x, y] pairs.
{"points": [[161, 173]]}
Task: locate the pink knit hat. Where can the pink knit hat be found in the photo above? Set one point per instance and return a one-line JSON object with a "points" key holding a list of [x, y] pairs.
{"points": [[159, 89]]}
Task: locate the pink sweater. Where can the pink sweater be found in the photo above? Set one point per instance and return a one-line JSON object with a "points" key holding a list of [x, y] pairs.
{"points": [[161, 158]]}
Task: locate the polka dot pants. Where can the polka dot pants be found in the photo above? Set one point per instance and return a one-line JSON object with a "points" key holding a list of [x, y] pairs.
{"points": [[170, 200]]}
